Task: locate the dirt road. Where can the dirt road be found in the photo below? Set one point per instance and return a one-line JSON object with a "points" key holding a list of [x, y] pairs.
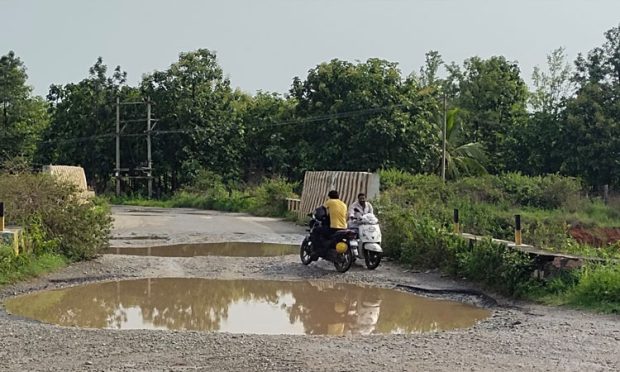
{"points": [[515, 337]]}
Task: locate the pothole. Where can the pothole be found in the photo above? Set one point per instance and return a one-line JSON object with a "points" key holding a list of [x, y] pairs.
{"points": [[229, 249], [244, 306]]}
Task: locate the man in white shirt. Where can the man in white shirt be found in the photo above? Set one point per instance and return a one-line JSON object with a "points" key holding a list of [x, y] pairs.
{"points": [[359, 208]]}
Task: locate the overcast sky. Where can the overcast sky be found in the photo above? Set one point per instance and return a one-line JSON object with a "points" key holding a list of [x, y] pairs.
{"points": [[263, 44]]}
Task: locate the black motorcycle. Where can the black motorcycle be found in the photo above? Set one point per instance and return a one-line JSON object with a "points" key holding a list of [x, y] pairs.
{"points": [[336, 248]]}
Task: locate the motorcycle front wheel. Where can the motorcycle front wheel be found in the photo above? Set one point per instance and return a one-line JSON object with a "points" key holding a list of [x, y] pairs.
{"points": [[373, 259], [305, 252], [343, 261]]}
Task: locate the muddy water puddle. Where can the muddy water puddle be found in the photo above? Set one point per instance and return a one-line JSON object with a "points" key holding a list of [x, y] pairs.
{"points": [[244, 306], [229, 249]]}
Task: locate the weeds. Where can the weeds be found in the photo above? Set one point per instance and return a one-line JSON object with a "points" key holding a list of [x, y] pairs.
{"points": [[14, 268]]}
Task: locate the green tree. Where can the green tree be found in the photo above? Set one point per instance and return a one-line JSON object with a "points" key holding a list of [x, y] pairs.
{"points": [[363, 117], [23, 117], [538, 141], [590, 135], [268, 150], [493, 98], [194, 99], [462, 159], [553, 86], [81, 131]]}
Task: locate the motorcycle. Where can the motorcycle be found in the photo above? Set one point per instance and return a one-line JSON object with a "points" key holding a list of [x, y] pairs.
{"points": [[367, 245], [338, 247]]}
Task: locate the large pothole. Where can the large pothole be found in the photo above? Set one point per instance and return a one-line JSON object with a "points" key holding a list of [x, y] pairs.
{"points": [[244, 306], [229, 249]]}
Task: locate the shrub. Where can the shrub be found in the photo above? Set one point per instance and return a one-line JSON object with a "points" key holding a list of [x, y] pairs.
{"points": [[599, 287], [270, 195], [207, 184], [499, 267], [547, 192], [54, 217], [484, 189]]}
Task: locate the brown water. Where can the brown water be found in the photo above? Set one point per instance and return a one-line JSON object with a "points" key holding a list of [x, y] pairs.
{"points": [[244, 306], [230, 249]]}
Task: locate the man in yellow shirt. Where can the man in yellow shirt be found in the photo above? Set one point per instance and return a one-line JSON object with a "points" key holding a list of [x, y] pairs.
{"points": [[337, 212]]}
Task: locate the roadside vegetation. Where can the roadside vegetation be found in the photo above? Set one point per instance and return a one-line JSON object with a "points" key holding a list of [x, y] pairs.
{"points": [[59, 226], [416, 212], [209, 191]]}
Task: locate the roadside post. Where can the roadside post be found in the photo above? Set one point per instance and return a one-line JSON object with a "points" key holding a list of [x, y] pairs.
{"points": [[518, 240]]}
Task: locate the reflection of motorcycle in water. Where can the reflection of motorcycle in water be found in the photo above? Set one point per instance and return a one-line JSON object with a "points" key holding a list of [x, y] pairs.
{"points": [[346, 312], [367, 246]]}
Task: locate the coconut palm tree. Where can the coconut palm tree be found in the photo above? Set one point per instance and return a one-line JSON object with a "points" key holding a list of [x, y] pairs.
{"points": [[461, 160]]}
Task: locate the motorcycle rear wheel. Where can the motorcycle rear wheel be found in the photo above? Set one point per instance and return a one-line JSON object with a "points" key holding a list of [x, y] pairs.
{"points": [[343, 261], [305, 252]]}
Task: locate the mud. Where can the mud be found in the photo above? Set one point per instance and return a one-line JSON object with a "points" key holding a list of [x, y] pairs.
{"points": [[597, 237], [244, 306], [517, 335], [228, 249]]}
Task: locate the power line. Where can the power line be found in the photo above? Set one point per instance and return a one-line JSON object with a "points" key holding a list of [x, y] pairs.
{"points": [[314, 119]]}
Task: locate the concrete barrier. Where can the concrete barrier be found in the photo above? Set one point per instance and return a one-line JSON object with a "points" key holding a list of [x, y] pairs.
{"points": [[70, 174]]}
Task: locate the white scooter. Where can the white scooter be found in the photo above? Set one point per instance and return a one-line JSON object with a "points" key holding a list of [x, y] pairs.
{"points": [[367, 246]]}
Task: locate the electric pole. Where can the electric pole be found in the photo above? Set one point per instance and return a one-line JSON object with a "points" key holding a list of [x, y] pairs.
{"points": [[445, 124], [149, 161], [118, 147]]}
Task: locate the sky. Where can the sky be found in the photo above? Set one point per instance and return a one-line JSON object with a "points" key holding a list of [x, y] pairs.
{"points": [[264, 44]]}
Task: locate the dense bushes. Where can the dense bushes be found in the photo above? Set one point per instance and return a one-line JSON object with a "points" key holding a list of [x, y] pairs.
{"points": [[549, 205], [56, 220], [416, 214], [424, 243]]}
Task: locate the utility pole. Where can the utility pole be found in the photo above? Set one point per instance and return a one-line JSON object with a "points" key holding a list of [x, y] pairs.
{"points": [[118, 146], [445, 124], [149, 172]]}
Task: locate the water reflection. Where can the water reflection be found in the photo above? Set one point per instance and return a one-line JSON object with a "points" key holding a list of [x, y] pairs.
{"points": [[228, 249], [244, 306]]}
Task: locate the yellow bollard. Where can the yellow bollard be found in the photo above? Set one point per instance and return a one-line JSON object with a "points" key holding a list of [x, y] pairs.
{"points": [[518, 229]]}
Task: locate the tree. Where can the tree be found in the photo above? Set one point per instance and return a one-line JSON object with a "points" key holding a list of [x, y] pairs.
{"points": [[193, 98], [538, 139], [590, 135], [462, 159], [268, 150], [429, 72], [493, 99], [362, 117], [553, 86], [81, 131], [23, 117]]}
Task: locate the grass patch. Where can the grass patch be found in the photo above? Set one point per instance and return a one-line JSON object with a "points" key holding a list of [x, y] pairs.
{"points": [[14, 269]]}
